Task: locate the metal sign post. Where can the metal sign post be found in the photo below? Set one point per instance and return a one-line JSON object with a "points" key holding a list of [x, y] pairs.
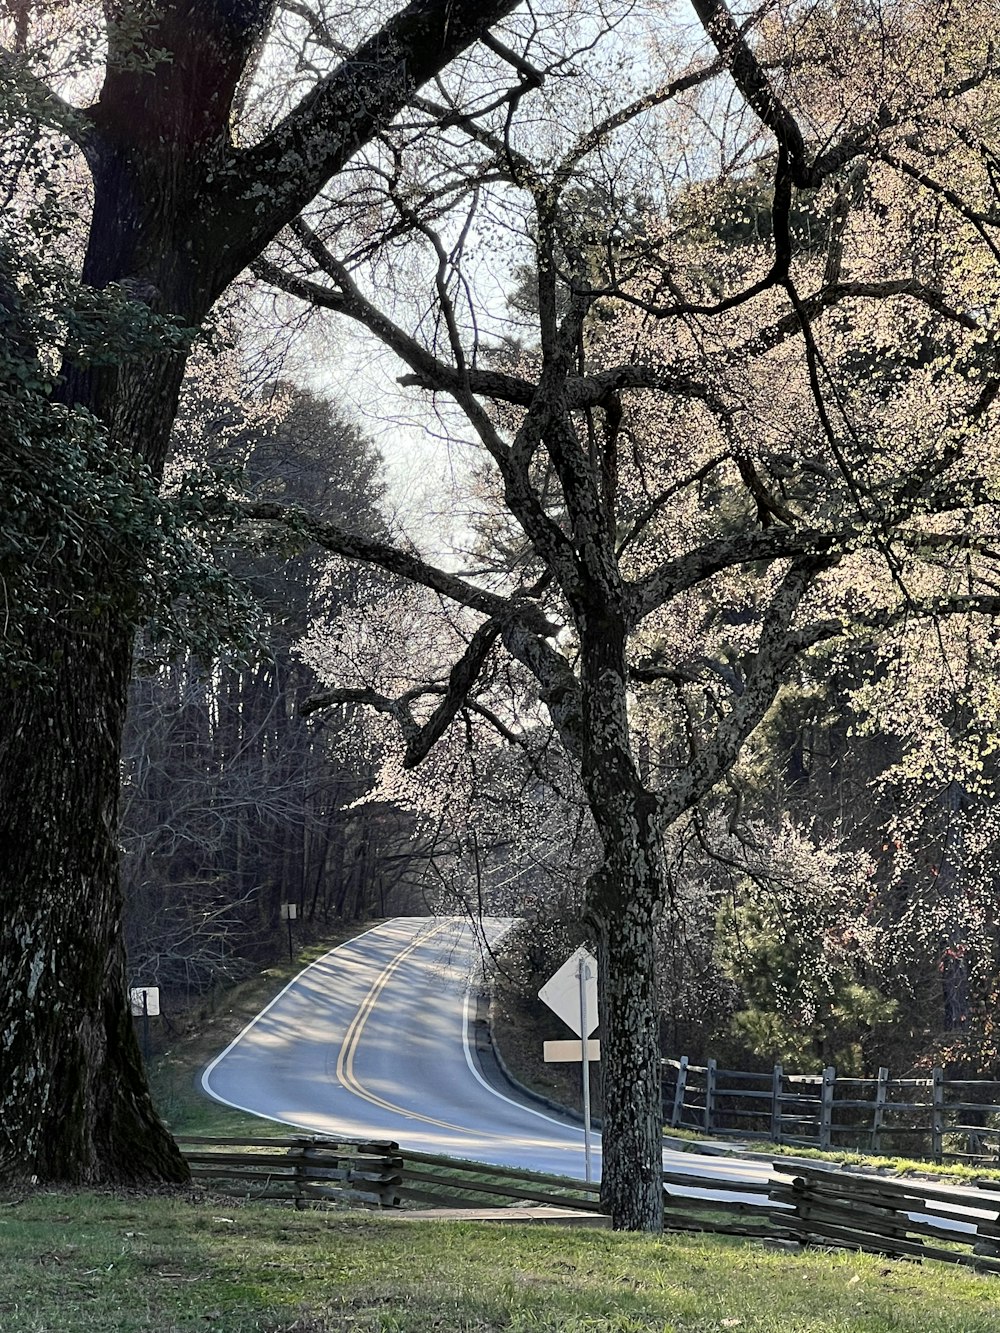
{"points": [[144, 1002], [572, 994], [289, 913], [583, 972]]}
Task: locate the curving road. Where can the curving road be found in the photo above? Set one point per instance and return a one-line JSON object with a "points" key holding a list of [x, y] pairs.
{"points": [[375, 1040]]}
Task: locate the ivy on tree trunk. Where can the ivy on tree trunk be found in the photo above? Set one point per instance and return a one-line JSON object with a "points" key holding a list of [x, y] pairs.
{"points": [[179, 211]]}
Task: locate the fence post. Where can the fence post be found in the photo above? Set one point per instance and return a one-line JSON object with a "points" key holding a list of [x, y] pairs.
{"points": [[301, 1154], [826, 1107], [710, 1074], [680, 1088], [879, 1112], [776, 1078], [937, 1114]]}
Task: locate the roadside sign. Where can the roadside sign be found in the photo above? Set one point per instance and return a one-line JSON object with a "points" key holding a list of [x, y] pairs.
{"points": [[562, 990], [144, 1001], [571, 992], [568, 1052]]}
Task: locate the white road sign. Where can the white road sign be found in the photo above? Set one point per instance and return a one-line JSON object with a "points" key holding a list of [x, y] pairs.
{"points": [[562, 991], [152, 1005], [570, 1052]]}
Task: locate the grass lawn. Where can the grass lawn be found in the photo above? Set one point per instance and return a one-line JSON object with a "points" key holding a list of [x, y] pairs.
{"points": [[85, 1263], [175, 1263]]}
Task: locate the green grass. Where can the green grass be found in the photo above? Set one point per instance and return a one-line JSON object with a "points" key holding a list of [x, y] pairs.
{"points": [[84, 1263], [104, 1263]]}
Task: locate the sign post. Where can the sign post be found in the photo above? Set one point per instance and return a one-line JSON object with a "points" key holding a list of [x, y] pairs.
{"points": [[144, 1001], [584, 975], [571, 992], [289, 913]]}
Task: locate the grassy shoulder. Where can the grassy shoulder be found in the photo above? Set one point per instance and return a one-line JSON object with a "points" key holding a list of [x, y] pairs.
{"points": [[695, 1140], [86, 1263], [207, 1029]]}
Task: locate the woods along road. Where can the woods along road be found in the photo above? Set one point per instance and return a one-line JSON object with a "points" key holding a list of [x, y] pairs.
{"points": [[376, 1040]]}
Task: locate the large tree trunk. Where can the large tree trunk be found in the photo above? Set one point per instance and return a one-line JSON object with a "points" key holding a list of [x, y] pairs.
{"points": [[632, 1174], [75, 1102], [623, 901], [74, 1105], [77, 1107]]}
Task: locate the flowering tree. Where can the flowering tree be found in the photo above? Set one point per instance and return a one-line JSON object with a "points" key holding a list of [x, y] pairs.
{"points": [[728, 427]]}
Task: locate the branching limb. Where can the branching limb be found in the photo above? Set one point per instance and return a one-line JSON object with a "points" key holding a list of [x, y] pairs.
{"points": [[559, 689], [463, 677], [752, 81], [464, 384], [369, 550], [773, 657], [399, 709], [314, 141], [430, 372], [420, 738], [663, 498], [686, 571]]}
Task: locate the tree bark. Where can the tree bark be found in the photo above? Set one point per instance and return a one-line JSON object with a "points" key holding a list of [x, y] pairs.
{"points": [[178, 212], [623, 901], [74, 1105], [632, 1175]]}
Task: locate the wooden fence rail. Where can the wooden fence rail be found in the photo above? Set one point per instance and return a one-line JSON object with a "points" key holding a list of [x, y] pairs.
{"points": [[313, 1169], [298, 1168], [901, 1218], [944, 1119], [802, 1202]]}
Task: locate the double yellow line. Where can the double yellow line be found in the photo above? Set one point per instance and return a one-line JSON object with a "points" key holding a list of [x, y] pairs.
{"points": [[345, 1061]]}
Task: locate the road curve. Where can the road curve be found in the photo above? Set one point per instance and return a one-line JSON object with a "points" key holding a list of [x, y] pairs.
{"points": [[374, 1040]]}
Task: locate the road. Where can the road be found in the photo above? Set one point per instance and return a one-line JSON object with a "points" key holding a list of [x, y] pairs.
{"points": [[374, 1040]]}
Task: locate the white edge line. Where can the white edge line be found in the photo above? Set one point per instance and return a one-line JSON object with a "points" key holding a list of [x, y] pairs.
{"points": [[467, 1050], [206, 1086]]}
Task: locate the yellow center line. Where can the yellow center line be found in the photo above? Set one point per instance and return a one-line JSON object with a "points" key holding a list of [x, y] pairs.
{"points": [[345, 1061]]}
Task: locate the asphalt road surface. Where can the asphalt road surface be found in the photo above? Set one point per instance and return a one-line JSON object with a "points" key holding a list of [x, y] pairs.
{"points": [[375, 1040]]}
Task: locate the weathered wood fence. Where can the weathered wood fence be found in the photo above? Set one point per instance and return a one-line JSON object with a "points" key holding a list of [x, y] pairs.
{"points": [[944, 1119], [300, 1170], [901, 1218], [799, 1203], [306, 1170]]}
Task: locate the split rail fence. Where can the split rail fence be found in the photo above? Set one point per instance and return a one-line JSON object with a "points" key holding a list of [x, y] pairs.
{"points": [[800, 1203], [376, 1173], [943, 1119]]}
